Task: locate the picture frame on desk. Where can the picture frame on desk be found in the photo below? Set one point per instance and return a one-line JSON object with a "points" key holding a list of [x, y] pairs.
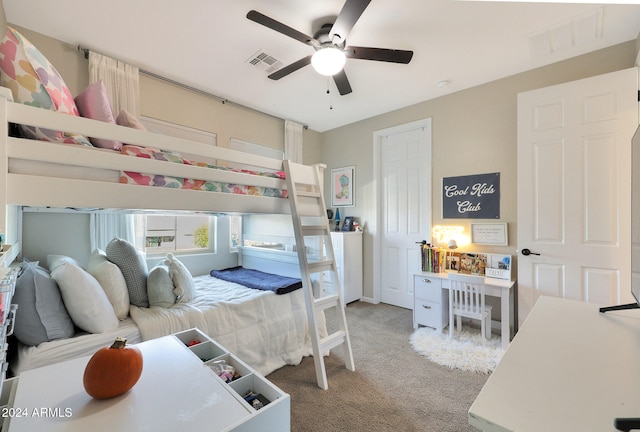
{"points": [[499, 267], [453, 262], [347, 225], [473, 263]]}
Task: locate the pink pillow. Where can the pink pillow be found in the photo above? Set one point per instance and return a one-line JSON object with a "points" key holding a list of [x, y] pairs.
{"points": [[125, 118], [94, 103]]}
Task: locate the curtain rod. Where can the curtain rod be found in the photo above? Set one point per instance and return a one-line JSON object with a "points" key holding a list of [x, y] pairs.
{"points": [[85, 52]]}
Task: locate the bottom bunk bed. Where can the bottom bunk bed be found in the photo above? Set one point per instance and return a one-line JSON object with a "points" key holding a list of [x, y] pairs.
{"points": [[264, 329]]}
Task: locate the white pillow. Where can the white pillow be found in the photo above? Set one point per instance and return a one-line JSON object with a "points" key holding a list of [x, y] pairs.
{"points": [[160, 287], [185, 289], [54, 261], [110, 278], [84, 299]]}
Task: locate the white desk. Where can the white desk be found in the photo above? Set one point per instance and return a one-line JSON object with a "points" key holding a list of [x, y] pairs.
{"points": [[569, 368], [503, 289]]}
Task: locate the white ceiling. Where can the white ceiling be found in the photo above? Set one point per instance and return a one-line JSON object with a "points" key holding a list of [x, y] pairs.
{"points": [[206, 44]]}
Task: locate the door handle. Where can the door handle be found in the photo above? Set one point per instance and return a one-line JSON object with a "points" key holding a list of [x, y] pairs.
{"points": [[527, 252]]}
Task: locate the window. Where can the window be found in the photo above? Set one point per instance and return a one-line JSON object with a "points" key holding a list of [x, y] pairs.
{"points": [[178, 233], [235, 232]]}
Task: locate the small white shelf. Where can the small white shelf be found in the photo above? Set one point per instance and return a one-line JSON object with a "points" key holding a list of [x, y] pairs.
{"points": [[8, 254]]}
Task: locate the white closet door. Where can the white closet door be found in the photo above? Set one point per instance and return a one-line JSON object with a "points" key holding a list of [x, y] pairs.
{"points": [[404, 198]]}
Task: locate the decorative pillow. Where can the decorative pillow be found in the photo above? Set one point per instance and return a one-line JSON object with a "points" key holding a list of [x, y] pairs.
{"points": [[125, 118], [185, 288], [54, 261], [160, 287], [85, 299], [34, 81], [133, 267], [110, 278], [43, 316], [94, 103]]}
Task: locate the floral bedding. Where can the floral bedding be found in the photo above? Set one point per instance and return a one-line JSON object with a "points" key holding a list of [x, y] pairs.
{"points": [[146, 179]]}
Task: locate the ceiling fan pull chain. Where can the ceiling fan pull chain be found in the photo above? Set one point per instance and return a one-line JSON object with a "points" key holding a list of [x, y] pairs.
{"points": [[329, 93]]}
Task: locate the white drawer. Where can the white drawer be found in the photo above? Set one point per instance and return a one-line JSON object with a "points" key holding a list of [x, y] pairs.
{"points": [[428, 288], [428, 314]]}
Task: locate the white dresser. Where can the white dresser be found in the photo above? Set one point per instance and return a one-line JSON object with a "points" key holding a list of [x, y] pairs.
{"points": [[177, 391], [347, 247]]}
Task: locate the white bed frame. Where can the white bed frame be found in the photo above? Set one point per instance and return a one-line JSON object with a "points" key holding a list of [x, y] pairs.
{"points": [[35, 189]]}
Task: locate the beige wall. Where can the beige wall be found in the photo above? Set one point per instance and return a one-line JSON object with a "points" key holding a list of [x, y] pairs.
{"points": [[474, 132]]}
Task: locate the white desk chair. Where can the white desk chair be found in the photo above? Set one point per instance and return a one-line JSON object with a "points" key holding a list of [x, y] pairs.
{"points": [[466, 299]]}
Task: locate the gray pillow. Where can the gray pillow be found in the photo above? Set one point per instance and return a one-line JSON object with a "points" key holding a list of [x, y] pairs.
{"points": [[133, 267], [42, 316], [160, 287]]}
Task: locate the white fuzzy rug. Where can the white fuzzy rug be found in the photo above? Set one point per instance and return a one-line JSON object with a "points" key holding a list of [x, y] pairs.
{"points": [[467, 350]]}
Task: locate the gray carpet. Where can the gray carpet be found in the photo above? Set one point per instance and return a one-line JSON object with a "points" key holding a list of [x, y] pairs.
{"points": [[392, 389]]}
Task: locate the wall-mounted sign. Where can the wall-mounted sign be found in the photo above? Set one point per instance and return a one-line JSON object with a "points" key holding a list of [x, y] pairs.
{"points": [[471, 197]]}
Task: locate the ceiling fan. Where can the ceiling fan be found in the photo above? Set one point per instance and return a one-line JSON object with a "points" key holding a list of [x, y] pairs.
{"points": [[330, 46]]}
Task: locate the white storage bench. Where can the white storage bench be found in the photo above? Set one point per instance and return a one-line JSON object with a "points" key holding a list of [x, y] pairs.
{"points": [[178, 390]]}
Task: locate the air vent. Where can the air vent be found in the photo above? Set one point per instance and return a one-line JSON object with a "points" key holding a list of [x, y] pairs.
{"points": [[265, 62]]}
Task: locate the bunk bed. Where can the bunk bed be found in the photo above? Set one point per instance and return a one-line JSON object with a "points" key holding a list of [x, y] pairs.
{"points": [[48, 174]]}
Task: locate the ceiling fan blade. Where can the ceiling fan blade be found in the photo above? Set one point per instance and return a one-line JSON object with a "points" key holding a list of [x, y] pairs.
{"points": [[283, 72], [342, 83], [379, 54], [350, 13], [279, 27]]}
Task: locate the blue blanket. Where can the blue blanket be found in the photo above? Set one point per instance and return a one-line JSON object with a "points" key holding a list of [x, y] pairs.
{"points": [[258, 280]]}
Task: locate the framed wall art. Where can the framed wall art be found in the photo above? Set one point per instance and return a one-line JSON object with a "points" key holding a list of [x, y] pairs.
{"points": [[342, 186], [489, 234]]}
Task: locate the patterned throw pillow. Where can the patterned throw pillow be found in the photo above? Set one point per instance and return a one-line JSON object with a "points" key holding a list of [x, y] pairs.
{"points": [[133, 267], [34, 81]]}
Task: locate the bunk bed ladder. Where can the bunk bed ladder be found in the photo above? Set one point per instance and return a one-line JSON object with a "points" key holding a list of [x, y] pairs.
{"points": [[310, 223]]}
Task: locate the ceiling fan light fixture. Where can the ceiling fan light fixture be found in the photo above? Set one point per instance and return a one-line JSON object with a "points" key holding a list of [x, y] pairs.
{"points": [[328, 61]]}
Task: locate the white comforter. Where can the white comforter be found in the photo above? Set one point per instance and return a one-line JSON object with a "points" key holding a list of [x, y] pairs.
{"points": [[265, 330]]}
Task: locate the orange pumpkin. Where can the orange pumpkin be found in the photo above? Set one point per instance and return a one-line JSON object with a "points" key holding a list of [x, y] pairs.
{"points": [[113, 370]]}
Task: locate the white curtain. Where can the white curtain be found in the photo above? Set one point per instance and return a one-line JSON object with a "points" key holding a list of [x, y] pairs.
{"points": [[122, 81], [293, 141], [103, 227], [123, 87]]}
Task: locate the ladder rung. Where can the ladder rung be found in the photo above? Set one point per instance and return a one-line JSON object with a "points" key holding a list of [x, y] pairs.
{"points": [[315, 230], [333, 340], [320, 266], [308, 194], [326, 301]]}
